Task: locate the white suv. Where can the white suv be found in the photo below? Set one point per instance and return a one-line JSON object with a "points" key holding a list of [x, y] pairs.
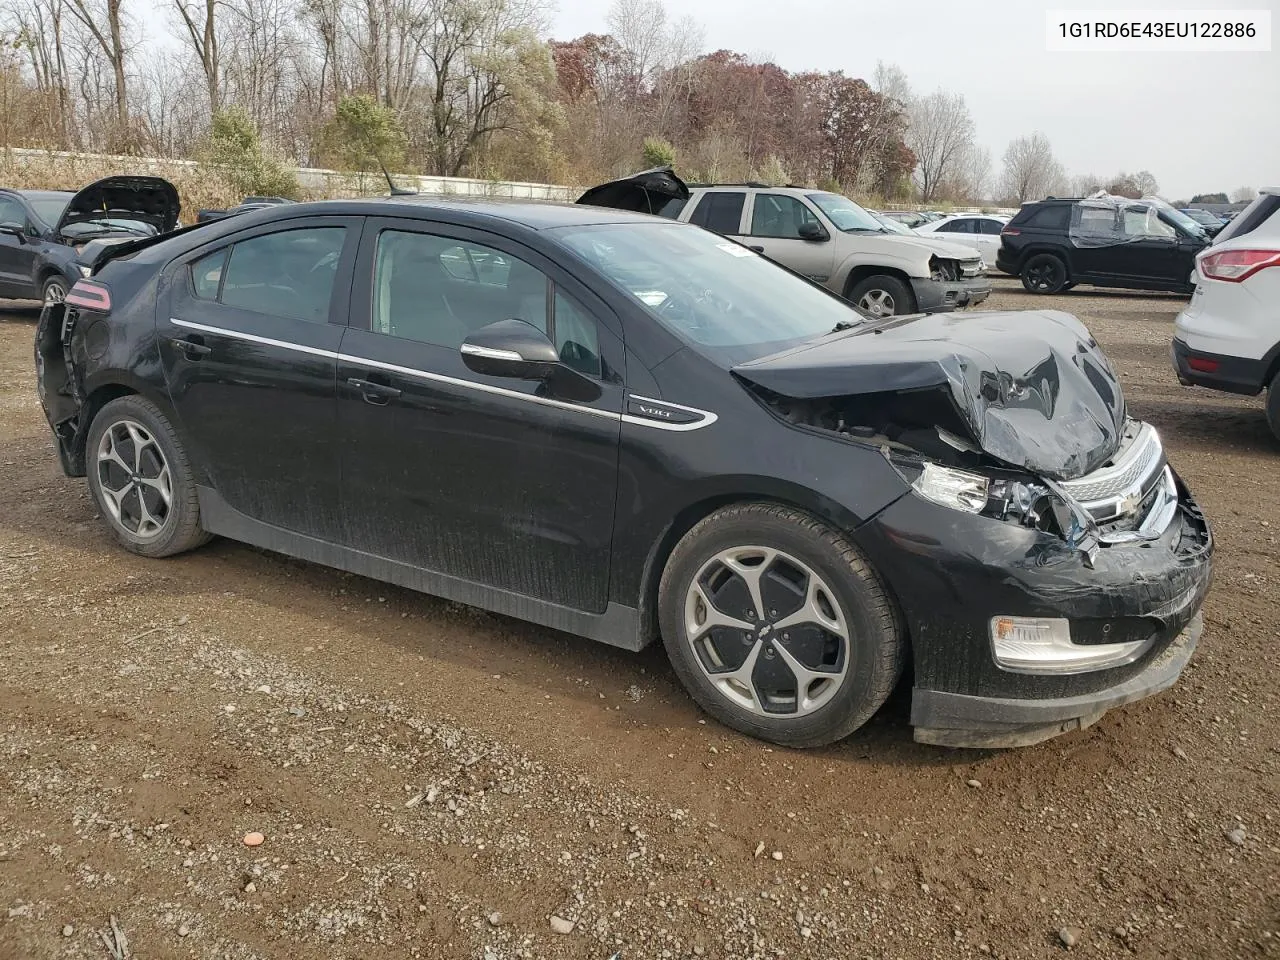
{"points": [[824, 236], [1228, 337]]}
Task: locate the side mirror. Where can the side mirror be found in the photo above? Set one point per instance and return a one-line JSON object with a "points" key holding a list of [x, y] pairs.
{"points": [[510, 348], [812, 232], [16, 230]]}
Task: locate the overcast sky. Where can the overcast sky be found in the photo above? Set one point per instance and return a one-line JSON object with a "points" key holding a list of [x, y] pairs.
{"points": [[1200, 122]]}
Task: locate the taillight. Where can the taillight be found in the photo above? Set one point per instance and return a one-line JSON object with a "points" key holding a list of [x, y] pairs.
{"points": [[1234, 266], [1010, 232], [88, 295]]}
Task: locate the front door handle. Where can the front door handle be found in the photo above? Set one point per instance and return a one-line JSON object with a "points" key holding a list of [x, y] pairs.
{"points": [[375, 393], [758, 249], [191, 349]]}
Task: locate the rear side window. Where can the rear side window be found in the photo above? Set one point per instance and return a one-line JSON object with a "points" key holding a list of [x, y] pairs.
{"points": [[1054, 216], [1268, 207], [720, 212], [285, 274], [991, 228]]}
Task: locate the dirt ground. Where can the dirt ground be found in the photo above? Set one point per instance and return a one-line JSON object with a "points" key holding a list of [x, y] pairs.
{"points": [[436, 782]]}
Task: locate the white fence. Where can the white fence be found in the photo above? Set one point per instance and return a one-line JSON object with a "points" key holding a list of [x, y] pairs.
{"points": [[335, 182]]}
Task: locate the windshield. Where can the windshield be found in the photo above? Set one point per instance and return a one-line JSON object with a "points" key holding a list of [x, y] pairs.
{"points": [[49, 209], [845, 214], [893, 226], [709, 290]]}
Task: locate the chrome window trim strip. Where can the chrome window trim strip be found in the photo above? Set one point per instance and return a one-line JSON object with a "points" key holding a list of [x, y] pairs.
{"points": [[707, 417]]}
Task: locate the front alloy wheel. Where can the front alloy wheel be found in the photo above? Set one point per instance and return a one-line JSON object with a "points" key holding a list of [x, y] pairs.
{"points": [[134, 478], [878, 303], [767, 631], [778, 626]]}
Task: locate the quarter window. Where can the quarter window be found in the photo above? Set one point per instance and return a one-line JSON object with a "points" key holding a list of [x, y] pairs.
{"points": [[778, 216], [285, 274], [720, 212]]}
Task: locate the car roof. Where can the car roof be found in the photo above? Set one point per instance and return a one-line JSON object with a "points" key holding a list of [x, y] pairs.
{"points": [[534, 214], [42, 194]]}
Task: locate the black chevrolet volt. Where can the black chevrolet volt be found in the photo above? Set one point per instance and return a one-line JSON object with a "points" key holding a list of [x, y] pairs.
{"points": [[633, 429]]}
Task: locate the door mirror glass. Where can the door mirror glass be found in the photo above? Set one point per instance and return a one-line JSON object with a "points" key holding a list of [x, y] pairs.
{"points": [[510, 348]]}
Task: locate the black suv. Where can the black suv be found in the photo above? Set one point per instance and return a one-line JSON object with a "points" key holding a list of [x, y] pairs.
{"points": [[1105, 241]]}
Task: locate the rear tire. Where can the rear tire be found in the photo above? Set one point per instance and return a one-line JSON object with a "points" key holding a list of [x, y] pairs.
{"points": [[824, 644], [882, 296], [1044, 273], [141, 479], [1273, 406]]}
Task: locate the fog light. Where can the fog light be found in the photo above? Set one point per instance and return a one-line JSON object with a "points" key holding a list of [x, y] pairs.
{"points": [[1043, 645]]}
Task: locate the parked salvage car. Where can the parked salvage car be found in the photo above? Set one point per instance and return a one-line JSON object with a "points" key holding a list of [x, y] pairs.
{"points": [[43, 232], [1228, 337], [1212, 225], [1102, 240], [823, 236], [978, 230], [636, 428], [247, 205]]}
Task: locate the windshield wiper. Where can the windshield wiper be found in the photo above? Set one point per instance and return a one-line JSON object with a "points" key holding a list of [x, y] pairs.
{"points": [[846, 325]]}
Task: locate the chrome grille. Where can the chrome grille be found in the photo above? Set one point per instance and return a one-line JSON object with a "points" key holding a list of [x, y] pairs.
{"points": [[1119, 489]]}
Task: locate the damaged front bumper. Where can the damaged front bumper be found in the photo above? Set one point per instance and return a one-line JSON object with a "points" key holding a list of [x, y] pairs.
{"points": [[956, 575], [937, 296]]}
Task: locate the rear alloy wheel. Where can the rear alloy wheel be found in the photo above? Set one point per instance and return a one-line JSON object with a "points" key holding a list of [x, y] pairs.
{"points": [[55, 290], [1273, 406], [1044, 273], [777, 626], [882, 296], [140, 479]]}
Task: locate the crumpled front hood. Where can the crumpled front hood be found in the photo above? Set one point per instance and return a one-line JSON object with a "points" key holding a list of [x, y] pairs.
{"points": [[150, 200], [1033, 387]]}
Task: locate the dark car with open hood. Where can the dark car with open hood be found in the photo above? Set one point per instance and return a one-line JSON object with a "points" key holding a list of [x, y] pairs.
{"points": [[44, 234], [629, 429]]}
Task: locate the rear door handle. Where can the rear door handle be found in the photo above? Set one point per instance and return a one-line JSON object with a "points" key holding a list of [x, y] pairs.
{"points": [[375, 393], [190, 348]]}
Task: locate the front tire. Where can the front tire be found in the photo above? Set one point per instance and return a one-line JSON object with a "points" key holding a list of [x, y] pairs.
{"points": [[777, 625], [141, 479], [882, 296], [1044, 273], [54, 290]]}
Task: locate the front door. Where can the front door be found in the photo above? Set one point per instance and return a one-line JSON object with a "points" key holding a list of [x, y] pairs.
{"points": [[776, 222], [1149, 248], [17, 256], [249, 342], [498, 482]]}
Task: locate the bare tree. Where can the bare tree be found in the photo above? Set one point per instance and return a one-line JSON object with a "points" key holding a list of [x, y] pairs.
{"points": [[1243, 195], [1030, 170], [37, 27], [200, 29], [973, 179], [940, 130], [103, 21]]}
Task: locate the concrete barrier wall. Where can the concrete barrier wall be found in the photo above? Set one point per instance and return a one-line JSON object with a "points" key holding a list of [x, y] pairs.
{"points": [[335, 182]]}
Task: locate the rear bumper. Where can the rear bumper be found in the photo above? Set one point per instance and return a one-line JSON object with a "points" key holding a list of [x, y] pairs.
{"points": [[1197, 368], [938, 296]]}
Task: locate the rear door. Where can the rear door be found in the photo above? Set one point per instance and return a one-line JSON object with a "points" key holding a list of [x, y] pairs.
{"points": [[497, 482], [249, 338], [774, 230]]}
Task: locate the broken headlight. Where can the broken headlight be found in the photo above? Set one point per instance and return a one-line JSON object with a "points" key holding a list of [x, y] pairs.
{"points": [[1023, 502]]}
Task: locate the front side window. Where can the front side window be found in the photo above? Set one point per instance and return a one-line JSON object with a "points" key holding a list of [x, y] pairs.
{"points": [[436, 290], [707, 290], [12, 213], [778, 216], [720, 212], [285, 274], [957, 226]]}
